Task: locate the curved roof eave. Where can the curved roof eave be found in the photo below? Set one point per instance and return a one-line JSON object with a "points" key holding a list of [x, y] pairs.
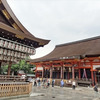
{"points": [[24, 30], [73, 50]]}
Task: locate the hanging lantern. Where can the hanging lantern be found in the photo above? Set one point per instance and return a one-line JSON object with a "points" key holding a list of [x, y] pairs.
{"points": [[9, 45], [5, 58], [13, 46], [15, 59], [8, 58], [1, 43], [16, 46], [12, 53], [15, 54], [5, 52], [12, 58], [1, 51], [20, 47], [26, 49], [1, 57], [9, 52], [18, 55], [5, 44]]}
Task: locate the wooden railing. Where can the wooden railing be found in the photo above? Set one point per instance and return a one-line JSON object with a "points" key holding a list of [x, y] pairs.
{"points": [[11, 78], [15, 88]]}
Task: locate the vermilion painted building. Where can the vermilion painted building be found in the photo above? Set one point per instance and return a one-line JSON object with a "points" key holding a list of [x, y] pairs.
{"points": [[78, 60]]}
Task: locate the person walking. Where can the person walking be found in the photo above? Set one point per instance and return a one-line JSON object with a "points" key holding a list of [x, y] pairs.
{"points": [[62, 83], [53, 82], [48, 82], [73, 85]]}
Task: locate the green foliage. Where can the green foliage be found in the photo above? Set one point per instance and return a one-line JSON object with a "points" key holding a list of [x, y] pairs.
{"points": [[22, 65]]}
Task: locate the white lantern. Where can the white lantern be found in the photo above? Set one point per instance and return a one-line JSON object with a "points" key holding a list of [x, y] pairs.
{"points": [[1, 57], [8, 58], [16, 46], [33, 51], [18, 55], [13, 46], [12, 58], [5, 44], [9, 52], [26, 49], [15, 59], [9, 45], [12, 53], [1, 43], [5, 58], [1, 51], [15, 54], [5, 52]]}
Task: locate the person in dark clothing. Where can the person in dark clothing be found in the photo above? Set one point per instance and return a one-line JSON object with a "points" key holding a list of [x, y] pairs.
{"points": [[53, 81], [96, 88]]}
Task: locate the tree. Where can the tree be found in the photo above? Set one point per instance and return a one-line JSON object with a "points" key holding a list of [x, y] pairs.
{"points": [[22, 65]]}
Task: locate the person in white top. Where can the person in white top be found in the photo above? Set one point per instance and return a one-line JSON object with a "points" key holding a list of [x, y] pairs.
{"points": [[73, 85]]}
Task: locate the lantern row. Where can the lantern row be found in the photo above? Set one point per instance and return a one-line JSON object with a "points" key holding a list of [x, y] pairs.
{"points": [[16, 46], [9, 58], [6, 52]]}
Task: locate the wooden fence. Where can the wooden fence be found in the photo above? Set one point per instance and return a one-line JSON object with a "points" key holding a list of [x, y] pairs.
{"points": [[12, 78], [15, 88]]}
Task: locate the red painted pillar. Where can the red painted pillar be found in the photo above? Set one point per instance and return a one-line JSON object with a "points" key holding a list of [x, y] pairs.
{"points": [[42, 71], [79, 70], [79, 73], [51, 72], [73, 74], [61, 73]]}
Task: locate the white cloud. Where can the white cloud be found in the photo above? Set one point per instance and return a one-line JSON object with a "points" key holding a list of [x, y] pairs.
{"points": [[61, 21]]}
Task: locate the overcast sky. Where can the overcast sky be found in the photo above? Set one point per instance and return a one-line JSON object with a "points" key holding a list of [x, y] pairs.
{"points": [[60, 21]]}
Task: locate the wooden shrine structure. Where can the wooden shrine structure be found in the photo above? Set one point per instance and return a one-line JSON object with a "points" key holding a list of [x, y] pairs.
{"points": [[79, 60], [16, 42]]}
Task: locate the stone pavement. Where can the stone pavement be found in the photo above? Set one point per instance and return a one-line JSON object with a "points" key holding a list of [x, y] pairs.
{"points": [[59, 93]]}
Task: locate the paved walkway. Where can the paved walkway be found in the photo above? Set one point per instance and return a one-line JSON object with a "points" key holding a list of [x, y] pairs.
{"points": [[59, 93]]}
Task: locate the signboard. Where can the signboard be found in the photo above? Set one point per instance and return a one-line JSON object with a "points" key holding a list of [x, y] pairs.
{"points": [[96, 66], [39, 68]]}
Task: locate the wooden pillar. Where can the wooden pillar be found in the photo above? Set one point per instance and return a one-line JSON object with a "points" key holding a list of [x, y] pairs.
{"points": [[51, 72], [9, 68], [79, 70], [42, 72], [73, 74], [92, 77], [61, 75], [92, 74], [79, 73]]}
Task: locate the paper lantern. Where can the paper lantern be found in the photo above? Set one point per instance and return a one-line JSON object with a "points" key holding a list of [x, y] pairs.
{"points": [[8, 58], [5, 52], [9, 45], [12, 53], [1, 51], [1, 57], [13, 46], [15, 59], [9, 52], [26, 49], [1, 43], [18, 55], [5, 44], [5, 58], [16, 46], [15, 54], [12, 58]]}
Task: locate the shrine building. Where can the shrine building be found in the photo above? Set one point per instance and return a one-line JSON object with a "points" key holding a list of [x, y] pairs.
{"points": [[16, 42], [79, 60]]}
